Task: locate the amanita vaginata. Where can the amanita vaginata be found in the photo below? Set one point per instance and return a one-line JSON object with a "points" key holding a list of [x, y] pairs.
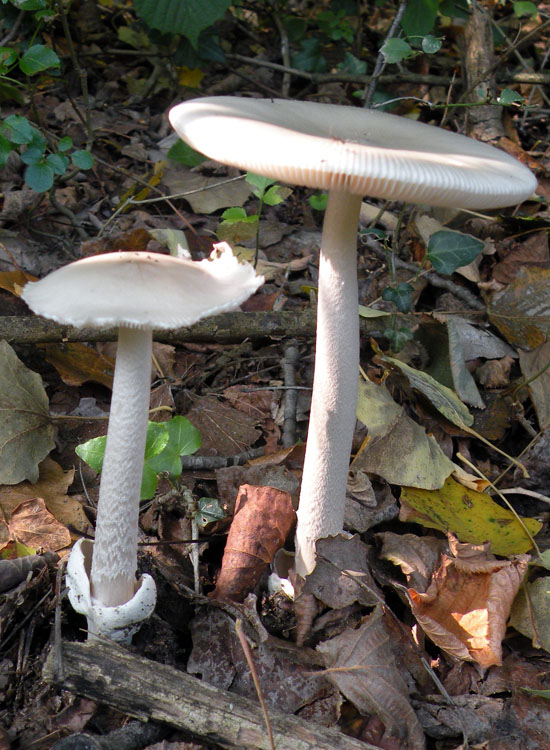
{"points": [[136, 292], [349, 152]]}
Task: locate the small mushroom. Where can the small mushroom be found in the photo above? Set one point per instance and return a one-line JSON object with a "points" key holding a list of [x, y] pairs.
{"points": [[349, 152], [138, 292]]}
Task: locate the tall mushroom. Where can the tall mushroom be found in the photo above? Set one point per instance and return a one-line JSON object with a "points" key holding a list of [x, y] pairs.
{"points": [[138, 292], [351, 153]]}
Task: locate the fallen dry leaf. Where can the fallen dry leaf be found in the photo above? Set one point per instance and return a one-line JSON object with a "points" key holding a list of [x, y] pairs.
{"points": [[417, 556], [52, 485], [342, 576], [225, 430], [78, 363], [495, 373], [466, 606], [285, 674], [534, 369], [521, 311], [32, 524], [361, 664], [263, 519]]}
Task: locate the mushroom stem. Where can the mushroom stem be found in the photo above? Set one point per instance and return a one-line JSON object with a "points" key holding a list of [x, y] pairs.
{"points": [[334, 397], [114, 559]]}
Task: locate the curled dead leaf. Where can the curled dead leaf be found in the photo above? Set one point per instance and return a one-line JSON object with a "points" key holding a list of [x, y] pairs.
{"points": [[466, 606]]}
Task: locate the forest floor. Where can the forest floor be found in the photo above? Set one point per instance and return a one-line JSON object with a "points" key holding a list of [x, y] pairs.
{"points": [[422, 651]]}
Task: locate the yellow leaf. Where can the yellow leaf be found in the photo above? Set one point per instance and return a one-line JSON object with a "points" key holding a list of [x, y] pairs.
{"points": [[188, 77], [471, 516]]}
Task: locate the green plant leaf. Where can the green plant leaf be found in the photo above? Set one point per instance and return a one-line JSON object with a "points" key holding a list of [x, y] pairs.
{"points": [[235, 213], [186, 17], [310, 57], [398, 337], [58, 163], [7, 58], [17, 129], [92, 452], [352, 65], [181, 153], [259, 183], [395, 50], [448, 251], [183, 440], [276, 194], [419, 17], [39, 176], [431, 45], [82, 159], [400, 295], [318, 202], [208, 511], [508, 96], [38, 58], [26, 432], [64, 144], [525, 8], [5, 150]]}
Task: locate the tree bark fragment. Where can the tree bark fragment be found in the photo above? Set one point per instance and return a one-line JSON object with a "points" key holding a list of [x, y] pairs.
{"points": [[147, 691]]}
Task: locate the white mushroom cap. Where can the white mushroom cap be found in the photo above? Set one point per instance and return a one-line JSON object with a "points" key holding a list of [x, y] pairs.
{"points": [[142, 290], [365, 152]]}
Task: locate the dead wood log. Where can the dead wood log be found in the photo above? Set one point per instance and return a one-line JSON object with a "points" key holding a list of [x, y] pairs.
{"points": [[145, 690], [227, 328]]}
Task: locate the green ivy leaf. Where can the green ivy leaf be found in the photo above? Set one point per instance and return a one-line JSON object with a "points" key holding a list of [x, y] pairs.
{"points": [[395, 50], [187, 17], [448, 251], [310, 57], [352, 65], [181, 153], [400, 295], [82, 159], [39, 176], [208, 510], [92, 452], [398, 337], [38, 58]]}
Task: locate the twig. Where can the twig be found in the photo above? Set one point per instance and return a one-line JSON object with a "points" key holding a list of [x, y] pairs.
{"points": [[248, 656], [205, 463], [290, 361], [380, 60]]}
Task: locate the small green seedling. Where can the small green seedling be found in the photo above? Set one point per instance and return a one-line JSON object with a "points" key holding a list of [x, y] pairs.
{"points": [[166, 443], [237, 225]]}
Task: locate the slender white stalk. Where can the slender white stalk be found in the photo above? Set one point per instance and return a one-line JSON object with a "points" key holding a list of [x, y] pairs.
{"points": [[334, 397], [114, 560]]}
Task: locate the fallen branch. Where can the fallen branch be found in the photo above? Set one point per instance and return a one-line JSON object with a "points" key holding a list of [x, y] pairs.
{"points": [[227, 328], [147, 691]]}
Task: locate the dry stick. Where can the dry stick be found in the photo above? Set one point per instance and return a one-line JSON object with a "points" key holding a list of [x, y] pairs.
{"points": [[290, 361], [249, 660], [135, 735], [432, 80], [226, 328], [146, 690], [380, 60]]}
